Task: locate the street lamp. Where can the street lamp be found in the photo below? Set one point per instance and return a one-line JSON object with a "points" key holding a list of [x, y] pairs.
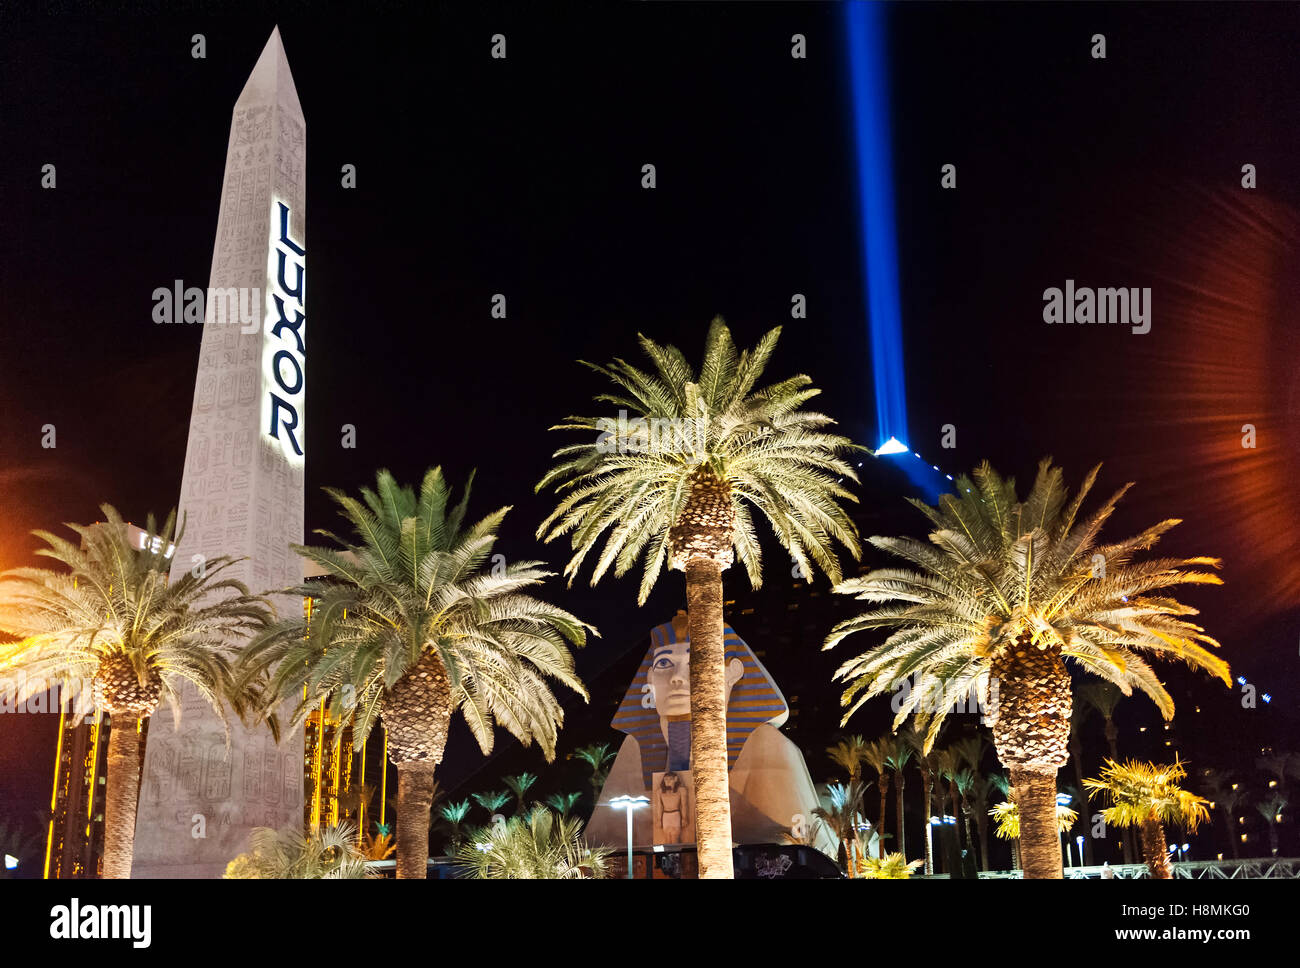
{"points": [[1063, 800], [629, 803], [1079, 840]]}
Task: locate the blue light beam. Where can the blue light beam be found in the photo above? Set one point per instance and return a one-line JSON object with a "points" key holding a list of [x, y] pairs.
{"points": [[868, 66]]}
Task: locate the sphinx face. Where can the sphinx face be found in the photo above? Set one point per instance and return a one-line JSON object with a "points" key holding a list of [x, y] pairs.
{"points": [[670, 678]]}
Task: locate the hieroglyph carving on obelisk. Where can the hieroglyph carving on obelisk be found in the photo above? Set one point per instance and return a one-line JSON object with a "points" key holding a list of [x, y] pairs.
{"points": [[242, 489]]}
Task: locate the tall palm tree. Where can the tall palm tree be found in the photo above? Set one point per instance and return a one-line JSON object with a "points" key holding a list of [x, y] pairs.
{"points": [[598, 757], [519, 786], [1271, 810], [1226, 794], [848, 754], [1005, 592], [952, 769], [900, 754], [679, 485], [969, 751], [1100, 695], [115, 615], [1147, 796], [927, 764], [536, 845], [412, 625], [876, 755]]}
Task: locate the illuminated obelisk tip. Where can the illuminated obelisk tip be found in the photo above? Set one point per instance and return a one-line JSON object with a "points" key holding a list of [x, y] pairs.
{"points": [[242, 486]]}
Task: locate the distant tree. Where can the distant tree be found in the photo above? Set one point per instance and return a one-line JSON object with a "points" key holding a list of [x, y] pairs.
{"points": [[1148, 796], [519, 786]]}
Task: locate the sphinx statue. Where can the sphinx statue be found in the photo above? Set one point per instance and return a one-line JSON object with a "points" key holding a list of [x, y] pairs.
{"points": [[772, 794]]}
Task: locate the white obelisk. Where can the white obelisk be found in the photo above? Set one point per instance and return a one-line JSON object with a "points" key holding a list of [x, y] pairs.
{"points": [[242, 489]]}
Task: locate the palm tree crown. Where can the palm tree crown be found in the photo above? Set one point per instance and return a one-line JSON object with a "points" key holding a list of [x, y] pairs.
{"points": [[412, 588], [710, 440], [116, 616], [1006, 584]]}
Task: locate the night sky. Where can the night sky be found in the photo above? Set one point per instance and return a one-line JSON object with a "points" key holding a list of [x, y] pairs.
{"points": [[522, 177]]}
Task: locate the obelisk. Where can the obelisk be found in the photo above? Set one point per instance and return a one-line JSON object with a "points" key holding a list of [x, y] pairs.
{"points": [[242, 487]]}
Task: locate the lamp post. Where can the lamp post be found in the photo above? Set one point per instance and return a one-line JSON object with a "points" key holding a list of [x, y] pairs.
{"points": [[628, 804], [1063, 800], [1079, 840]]}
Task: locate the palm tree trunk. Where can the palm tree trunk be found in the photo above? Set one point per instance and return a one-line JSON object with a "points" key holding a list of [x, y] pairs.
{"points": [[1035, 796], [1233, 841], [1153, 848], [1127, 833], [898, 793], [982, 825], [709, 718], [415, 788], [121, 793], [926, 783], [880, 827], [1015, 854]]}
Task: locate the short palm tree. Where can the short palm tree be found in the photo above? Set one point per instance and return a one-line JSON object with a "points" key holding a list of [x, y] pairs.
{"points": [[114, 615], [537, 846], [1003, 594], [679, 484], [452, 816], [1147, 796], [842, 817], [1006, 816], [892, 867], [492, 800], [847, 754], [598, 757], [328, 854], [411, 625], [563, 803], [519, 786]]}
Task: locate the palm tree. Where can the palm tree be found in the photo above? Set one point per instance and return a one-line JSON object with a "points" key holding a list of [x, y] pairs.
{"points": [[492, 801], [981, 790], [955, 773], [563, 803], [1005, 592], [927, 763], [598, 757], [116, 616], [894, 867], [900, 754], [412, 625], [327, 854], [687, 502], [1225, 795], [1271, 811], [519, 786], [848, 754], [969, 751], [539, 845], [453, 816], [842, 817], [1102, 696], [876, 755], [1147, 796]]}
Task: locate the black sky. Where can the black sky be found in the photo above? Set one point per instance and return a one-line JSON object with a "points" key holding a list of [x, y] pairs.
{"points": [[522, 177]]}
